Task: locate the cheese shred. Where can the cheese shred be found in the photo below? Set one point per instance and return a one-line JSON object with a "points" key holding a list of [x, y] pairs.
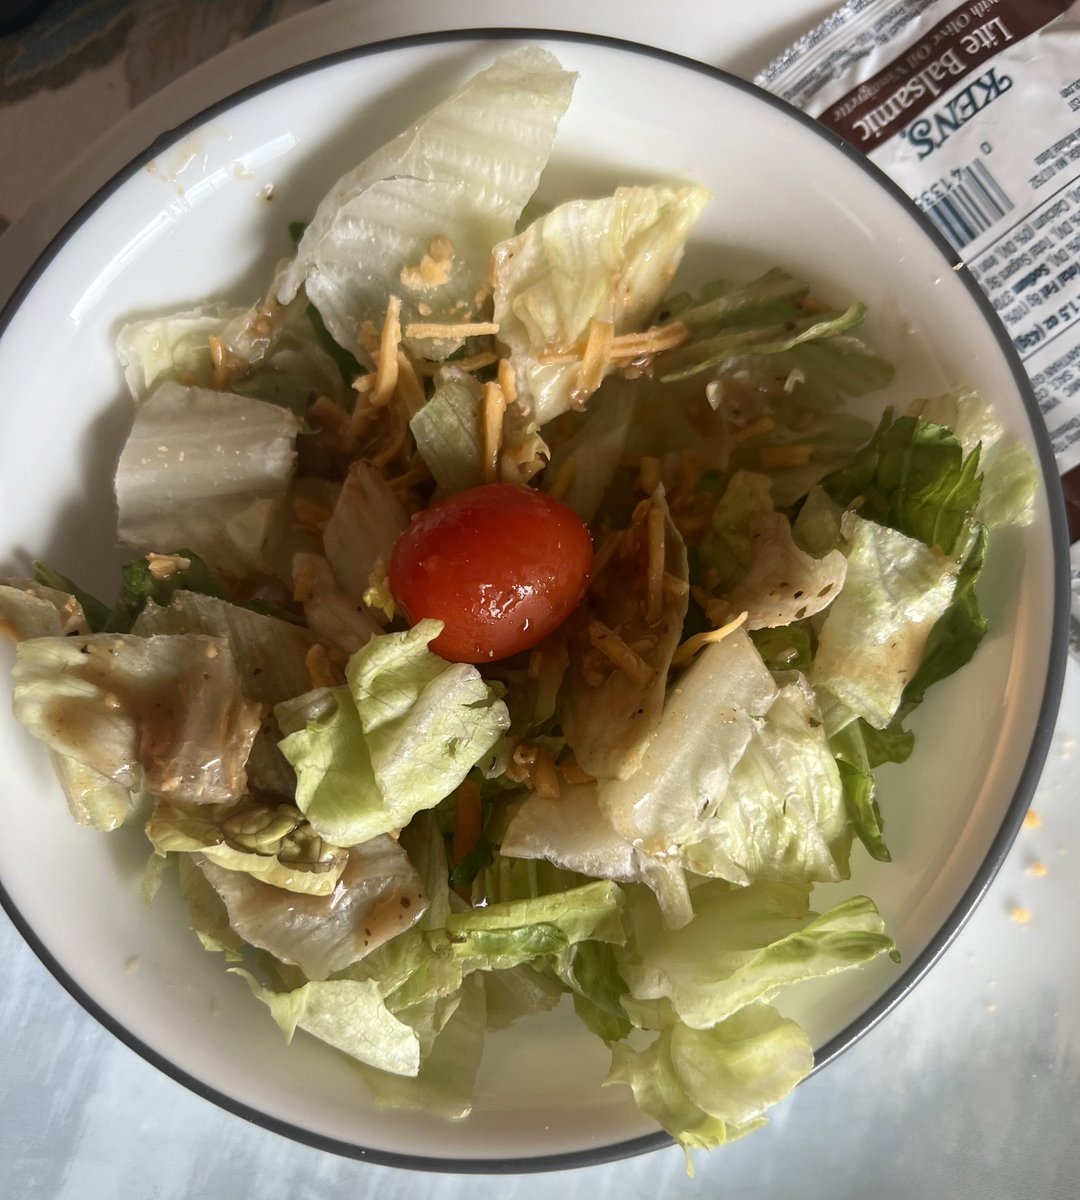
{"points": [[613, 648], [700, 640], [492, 411]]}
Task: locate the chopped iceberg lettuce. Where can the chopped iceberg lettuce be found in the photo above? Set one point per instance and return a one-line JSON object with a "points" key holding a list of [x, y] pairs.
{"points": [[209, 470], [401, 736], [873, 638], [459, 177], [377, 896], [163, 713], [607, 260]]}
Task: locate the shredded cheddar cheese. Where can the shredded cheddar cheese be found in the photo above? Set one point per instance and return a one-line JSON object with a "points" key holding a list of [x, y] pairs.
{"points": [[795, 455], [421, 329], [613, 648], [493, 409], [165, 566], [654, 576], [700, 640], [508, 381]]}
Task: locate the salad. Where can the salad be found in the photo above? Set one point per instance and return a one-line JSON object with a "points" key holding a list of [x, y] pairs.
{"points": [[508, 628]]}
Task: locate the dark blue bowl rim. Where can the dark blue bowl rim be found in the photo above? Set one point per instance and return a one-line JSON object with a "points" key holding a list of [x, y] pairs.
{"points": [[1048, 710]]}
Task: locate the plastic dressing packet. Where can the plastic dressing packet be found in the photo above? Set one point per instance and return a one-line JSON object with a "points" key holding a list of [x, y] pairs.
{"points": [[974, 110]]}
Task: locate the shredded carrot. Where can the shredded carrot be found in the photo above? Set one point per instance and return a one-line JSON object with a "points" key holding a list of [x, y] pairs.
{"points": [[761, 425], [409, 387], [468, 825], [573, 772], [386, 373], [309, 515], [595, 357], [319, 670], [625, 347], [797, 455]]}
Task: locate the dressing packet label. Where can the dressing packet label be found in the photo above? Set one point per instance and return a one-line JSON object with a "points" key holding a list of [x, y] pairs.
{"points": [[974, 109]]}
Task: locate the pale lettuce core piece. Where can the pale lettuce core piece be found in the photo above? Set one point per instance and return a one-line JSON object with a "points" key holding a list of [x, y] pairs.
{"points": [[271, 660], [399, 738], [707, 723], [162, 713], [572, 832], [782, 815], [366, 522], [872, 639], [172, 347], [93, 799], [462, 174], [608, 260], [334, 617], [208, 471], [447, 432], [378, 896]]}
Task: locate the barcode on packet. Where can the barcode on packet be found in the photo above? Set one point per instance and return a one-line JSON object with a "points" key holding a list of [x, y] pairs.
{"points": [[972, 204]]}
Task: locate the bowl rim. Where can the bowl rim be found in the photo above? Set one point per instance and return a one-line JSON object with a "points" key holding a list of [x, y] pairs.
{"points": [[995, 856]]}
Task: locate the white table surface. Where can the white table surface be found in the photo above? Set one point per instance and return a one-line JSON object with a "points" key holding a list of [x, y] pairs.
{"points": [[970, 1089]]}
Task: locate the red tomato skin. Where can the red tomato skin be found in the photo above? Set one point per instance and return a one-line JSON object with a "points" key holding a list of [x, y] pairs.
{"points": [[501, 566]]}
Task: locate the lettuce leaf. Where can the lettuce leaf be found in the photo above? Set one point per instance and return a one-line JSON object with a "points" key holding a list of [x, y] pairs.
{"points": [[163, 713], [712, 1086], [349, 1015], [461, 174], [209, 470], [743, 946], [398, 739], [377, 897], [607, 260], [874, 635]]}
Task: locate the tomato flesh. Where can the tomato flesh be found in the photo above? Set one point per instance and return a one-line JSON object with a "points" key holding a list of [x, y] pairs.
{"points": [[501, 566]]}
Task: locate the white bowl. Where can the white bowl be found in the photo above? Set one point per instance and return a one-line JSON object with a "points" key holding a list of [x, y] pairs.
{"points": [[193, 219]]}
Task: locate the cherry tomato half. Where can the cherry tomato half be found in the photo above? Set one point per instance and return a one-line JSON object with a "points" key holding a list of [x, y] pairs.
{"points": [[500, 566]]}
